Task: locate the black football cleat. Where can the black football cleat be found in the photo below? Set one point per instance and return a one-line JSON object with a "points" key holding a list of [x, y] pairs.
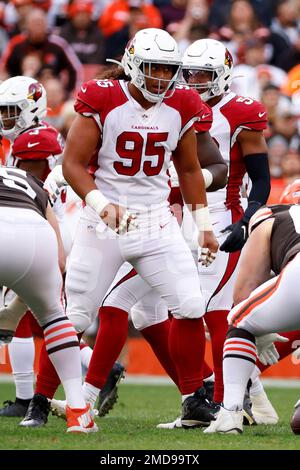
{"points": [[248, 418], [37, 414], [197, 410], [108, 396], [209, 386], [14, 409]]}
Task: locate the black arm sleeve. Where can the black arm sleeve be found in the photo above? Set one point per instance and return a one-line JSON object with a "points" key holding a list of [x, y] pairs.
{"points": [[257, 167]]}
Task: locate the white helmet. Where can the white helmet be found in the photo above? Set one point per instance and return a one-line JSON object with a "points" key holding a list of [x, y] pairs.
{"points": [[151, 46], [23, 103], [211, 56]]}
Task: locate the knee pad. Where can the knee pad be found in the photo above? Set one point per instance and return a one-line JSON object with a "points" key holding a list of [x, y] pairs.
{"points": [[191, 308], [81, 320]]}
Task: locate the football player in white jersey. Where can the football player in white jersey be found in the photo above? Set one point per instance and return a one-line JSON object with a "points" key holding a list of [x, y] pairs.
{"points": [[30, 243], [238, 124], [131, 128], [35, 147], [264, 304], [128, 286], [237, 128]]}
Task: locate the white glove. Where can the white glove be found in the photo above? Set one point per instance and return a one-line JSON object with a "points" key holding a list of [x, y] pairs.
{"points": [[128, 223], [207, 257], [54, 182], [266, 350]]}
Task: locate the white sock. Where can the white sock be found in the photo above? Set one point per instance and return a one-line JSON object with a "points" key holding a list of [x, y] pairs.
{"points": [[85, 356], [90, 393], [74, 393], [238, 364], [256, 387], [63, 349], [21, 354]]}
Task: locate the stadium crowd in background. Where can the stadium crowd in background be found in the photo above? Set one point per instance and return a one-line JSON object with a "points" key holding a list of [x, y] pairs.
{"points": [[62, 43]]}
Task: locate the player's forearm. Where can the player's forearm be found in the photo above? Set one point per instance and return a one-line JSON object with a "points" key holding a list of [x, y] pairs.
{"points": [[192, 187], [78, 178]]}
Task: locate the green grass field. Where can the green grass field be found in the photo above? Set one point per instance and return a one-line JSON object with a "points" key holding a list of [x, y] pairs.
{"points": [[131, 426]]}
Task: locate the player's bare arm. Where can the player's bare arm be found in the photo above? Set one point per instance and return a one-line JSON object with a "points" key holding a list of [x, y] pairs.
{"points": [[252, 142], [82, 140], [255, 262], [191, 182], [212, 161]]}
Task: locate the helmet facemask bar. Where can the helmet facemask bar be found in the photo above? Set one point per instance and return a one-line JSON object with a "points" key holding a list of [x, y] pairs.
{"points": [[210, 88], [166, 87], [9, 117]]}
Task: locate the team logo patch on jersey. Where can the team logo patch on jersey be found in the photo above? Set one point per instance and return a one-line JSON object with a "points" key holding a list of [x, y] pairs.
{"points": [[228, 59], [35, 91]]}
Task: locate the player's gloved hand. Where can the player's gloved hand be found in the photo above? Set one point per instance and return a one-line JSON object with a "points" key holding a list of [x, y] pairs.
{"points": [[54, 182], [206, 257], [209, 247], [238, 234], [119, 219], [266, 350]]}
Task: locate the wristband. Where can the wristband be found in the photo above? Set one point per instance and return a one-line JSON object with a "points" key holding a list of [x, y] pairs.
{"points": [[202, 219], [208, 177], [96, 200]]}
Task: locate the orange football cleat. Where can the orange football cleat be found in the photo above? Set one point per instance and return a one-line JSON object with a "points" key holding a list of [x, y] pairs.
{"points": [[80, 420]]}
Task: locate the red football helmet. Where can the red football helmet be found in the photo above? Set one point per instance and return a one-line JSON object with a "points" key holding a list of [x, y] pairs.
{"points": [[291, 194]]}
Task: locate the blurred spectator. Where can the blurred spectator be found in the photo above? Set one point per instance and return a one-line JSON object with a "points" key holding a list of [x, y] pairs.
{"points": [[55, 100], [254, 74], [290, 166], [243, 25], [194, 24], [15, 22], [278, 147], [219, 11], [286, 125], [31, 65], [275, 103], [3, 34], [292, 82], [121, 19], [52, 50], [172, 13], [285, 35], [83, 34], [290, 170], [68, 115]]}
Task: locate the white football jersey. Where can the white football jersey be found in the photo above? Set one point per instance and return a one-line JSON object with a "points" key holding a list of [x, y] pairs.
{"points": [[230, 116], [131, 164]]}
